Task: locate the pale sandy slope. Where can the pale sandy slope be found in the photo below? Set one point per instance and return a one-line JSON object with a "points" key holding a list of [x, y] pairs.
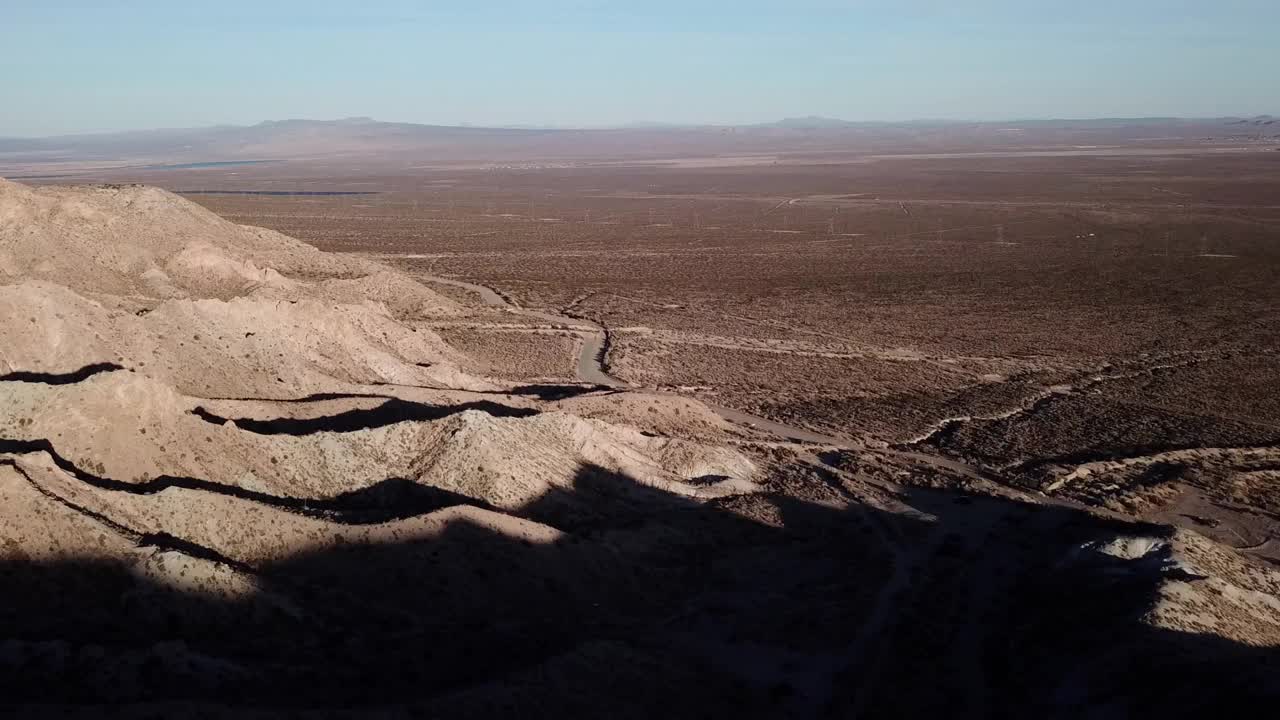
{"points": [[172, 305], [139, 332]]}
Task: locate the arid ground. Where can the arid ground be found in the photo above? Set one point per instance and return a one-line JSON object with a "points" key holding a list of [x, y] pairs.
{"points": [[1031, 316], [983, 425]]}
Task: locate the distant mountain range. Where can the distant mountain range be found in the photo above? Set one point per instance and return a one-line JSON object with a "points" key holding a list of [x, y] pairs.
{"points": [[412, 142], [270, 139], [816, 122], [807, 122]]}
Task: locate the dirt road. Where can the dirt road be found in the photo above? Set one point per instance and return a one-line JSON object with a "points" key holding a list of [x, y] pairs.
{"points": [[591, 363]]}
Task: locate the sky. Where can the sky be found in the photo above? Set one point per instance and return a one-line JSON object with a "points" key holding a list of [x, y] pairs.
{"points": [[69, 66]]}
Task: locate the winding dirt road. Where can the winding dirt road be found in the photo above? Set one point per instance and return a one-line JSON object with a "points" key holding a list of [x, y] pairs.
{"points": [[591, 368], [591, 363]]}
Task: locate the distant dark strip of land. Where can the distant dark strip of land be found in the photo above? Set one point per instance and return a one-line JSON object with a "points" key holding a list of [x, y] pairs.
{"points": [[325, 193]]}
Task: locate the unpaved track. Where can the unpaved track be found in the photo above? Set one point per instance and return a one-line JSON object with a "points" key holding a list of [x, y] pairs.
{"points": [[590, 356], [488, 295], [591, 366], [591, 369]]}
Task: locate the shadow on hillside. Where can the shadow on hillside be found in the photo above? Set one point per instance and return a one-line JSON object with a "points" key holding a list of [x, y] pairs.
{"points": [[551, 392], [650, 606], [67, 378], [383, 501], [388, 413]]}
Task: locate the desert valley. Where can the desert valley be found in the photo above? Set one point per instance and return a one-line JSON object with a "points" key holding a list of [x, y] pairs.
{"points": [[335, 419]]}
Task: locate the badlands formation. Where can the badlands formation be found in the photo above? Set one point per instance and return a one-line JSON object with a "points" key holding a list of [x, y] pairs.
{"points": [[243, 477]]}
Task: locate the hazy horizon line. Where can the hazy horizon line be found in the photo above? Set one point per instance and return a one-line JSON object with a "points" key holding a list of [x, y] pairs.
{"points": [[651, 124]]}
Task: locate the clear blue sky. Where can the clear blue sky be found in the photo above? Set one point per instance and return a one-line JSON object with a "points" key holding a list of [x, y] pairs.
{"points": [[87, 65]]}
